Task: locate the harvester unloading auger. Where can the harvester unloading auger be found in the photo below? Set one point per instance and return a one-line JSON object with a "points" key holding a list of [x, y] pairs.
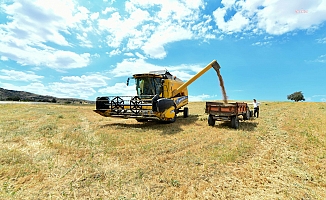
{"points": [[160, 96]]}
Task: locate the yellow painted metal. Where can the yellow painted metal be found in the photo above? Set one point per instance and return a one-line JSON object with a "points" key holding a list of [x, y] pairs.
{"points": [[169, 113], [173, 88], [214, 64]]}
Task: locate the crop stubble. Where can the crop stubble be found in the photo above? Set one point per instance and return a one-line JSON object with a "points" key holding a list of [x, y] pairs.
{"points": [[70, 152]]}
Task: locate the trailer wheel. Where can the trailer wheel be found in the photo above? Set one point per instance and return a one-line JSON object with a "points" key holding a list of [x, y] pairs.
{"points": [[251, 113], [185, 112], [211, 120], [246, 116], [235, 122]]}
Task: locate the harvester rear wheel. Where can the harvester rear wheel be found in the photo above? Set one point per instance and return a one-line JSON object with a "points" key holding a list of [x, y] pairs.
{"points": [[211, 120], [185, 112]]}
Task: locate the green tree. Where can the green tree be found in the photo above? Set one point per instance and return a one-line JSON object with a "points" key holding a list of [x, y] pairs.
{"points": [[297, 96]]}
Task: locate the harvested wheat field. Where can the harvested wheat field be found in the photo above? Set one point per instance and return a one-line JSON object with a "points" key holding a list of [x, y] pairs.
{"points": [[70, 152]]}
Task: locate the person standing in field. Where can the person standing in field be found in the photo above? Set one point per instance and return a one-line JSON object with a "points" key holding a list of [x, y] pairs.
{"points": [[256, 108]]}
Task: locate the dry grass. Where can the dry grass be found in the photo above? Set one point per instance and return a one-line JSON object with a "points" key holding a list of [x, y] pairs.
{"points": [[69, 152]]}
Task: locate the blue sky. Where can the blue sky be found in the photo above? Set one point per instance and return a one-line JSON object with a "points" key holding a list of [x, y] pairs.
{"points": [[267, 49]]}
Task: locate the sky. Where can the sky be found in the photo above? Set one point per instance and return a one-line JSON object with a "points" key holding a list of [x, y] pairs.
{"points": [[267, 49]]}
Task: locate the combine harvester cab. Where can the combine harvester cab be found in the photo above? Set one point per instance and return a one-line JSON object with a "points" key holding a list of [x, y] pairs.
{"points": [[160, 96]]}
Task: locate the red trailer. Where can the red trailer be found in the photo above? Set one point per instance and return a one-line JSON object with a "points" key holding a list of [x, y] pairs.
{"points": [[218, 111]]}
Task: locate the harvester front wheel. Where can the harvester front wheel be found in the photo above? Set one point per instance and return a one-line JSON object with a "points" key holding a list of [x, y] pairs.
{"points": [[185, 112]]}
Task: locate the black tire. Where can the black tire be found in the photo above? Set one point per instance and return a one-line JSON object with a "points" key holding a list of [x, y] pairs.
{"points": [[235, 122], [211, 120], [251, 113], [185, 112], [246, 116]]}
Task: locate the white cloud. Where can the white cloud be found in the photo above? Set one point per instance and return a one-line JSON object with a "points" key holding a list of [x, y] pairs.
{"points": [[4, 58], [83, 40], [139, 55], [71, 86], [275, 17], [228, 3], [28, 20], [120, 28], [150, 30], [79, 86], [322, 40], [129, 54], [71, 90], [168, 33], [181, 75], [236, 24], [115, 52], [202, 97], [56, 59], [203, 29], [131, 66], [25, 35], [36, 88], [260, 43], [94, 16], [13, 75], [108, 9], [320, 59], [119, 89], [95, 80]]}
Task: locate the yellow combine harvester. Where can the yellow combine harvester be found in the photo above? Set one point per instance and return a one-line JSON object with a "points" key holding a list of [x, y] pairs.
{"points": [[160, 96]]}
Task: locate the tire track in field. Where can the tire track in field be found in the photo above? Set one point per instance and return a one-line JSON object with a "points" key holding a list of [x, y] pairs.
{"points": [[275, 170]]}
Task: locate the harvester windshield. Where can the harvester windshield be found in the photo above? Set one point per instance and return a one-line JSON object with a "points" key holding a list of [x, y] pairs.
{"points": [[148, 86]]}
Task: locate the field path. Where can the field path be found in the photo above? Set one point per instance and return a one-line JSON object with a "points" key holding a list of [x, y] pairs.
{"points": [[277, 168]]}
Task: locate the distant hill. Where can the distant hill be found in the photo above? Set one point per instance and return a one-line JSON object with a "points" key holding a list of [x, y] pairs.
{"points": [[13, 95]]}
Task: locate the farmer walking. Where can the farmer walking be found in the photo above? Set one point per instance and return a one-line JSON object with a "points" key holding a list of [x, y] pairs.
{"points": [[256, 108]]}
